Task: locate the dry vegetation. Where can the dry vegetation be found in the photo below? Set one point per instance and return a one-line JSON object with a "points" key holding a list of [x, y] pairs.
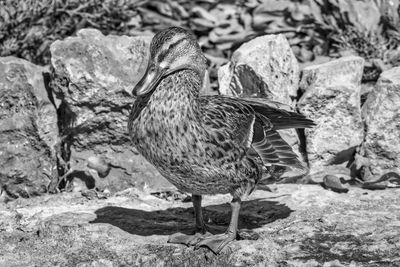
{"points": [[314, 28]]}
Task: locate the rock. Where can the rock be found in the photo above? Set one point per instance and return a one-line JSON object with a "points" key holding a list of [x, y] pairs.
{"points": [[366, 88], [388, 180], [380, 151], [28, 130], [93, 76], [100, 165], [333, 183], [271, 59], [264, 67], [206, 89], [335, 263], [246, 82], [332, 99], [299, 225]]}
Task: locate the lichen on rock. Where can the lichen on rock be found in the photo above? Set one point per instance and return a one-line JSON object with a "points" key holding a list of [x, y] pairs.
{"points": [[93, 76], [332, 99], [28, 130], [380, 151], [299, 225], [272, 60]]}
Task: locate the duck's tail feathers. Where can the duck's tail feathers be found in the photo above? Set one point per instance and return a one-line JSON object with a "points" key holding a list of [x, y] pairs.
{"points": [[279, 114]]}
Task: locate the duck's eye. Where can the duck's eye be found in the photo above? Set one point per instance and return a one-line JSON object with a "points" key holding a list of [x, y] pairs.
{"points": [[152, 68]]}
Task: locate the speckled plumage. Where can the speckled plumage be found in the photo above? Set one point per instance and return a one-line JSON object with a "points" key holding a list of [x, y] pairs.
{"points": [[205, 144], [195, 142]]}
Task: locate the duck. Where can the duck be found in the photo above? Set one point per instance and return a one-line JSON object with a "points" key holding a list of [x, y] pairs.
{"points": [[205, 144]]}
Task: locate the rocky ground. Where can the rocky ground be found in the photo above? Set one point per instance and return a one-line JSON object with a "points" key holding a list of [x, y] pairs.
{"points": [[298, 225], [63, 129]]}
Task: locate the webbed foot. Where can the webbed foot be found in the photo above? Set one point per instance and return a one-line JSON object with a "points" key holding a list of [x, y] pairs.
{"points": [[216, 242], [189, 240], [198, 235]]}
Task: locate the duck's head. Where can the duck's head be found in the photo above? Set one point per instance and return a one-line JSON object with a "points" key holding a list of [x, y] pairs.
{"points": [[171, 50]]}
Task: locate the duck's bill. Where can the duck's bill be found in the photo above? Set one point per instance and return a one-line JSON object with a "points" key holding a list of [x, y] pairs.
{"points": [[153, 76], [149, 80]]}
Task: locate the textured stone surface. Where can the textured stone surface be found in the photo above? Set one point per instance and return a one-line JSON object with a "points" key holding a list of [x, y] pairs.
{"points": [[264, 67], [380, 151], [332, 99], [93, 76], [272, 59], [299, 225], [28, 130]]}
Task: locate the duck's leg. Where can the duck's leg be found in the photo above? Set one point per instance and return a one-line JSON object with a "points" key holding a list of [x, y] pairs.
{"points": [[217, 242], [198, 212], [201, 228]]}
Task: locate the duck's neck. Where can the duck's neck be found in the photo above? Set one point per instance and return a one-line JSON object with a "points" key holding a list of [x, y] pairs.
{"points": [[177, 93], [174, 99]]}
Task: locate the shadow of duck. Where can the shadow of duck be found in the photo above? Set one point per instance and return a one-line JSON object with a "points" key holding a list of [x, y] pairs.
{"points": [[254, 214]]}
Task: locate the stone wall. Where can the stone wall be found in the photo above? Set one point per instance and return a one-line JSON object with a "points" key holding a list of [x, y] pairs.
{"points": [[93, 76], [71, 120], [28, 130]]}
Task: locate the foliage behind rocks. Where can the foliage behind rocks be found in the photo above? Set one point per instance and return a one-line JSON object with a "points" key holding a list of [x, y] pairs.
{"points": [[30, 26], [368, 28]]}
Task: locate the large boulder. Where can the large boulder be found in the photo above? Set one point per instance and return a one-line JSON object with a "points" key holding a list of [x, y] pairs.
{"points": [[332, 99], [93, 76], [28, 130], [380, 152], [264, 67], [272, 60]]}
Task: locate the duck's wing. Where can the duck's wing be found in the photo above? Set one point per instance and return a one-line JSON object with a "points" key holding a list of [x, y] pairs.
{"points": [[270, 146], [273, 116], [228, 121], [235, 119], [279, 114]]}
